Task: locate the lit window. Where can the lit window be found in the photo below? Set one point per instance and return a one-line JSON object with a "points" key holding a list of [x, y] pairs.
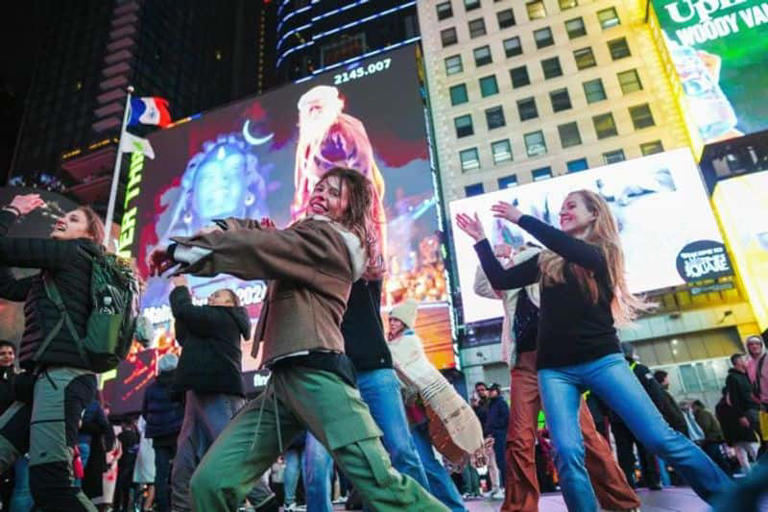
{"points": [[505, 18], [507, 181], [541, 173], [453, 65], [444, 10], [519, 76], [535, 145], [619, 48], [651, 148], [641, 116], [488, 86], [551, 68], [605, 126], [470, 160], [568, 4], [501, 151], [584, 58], [612, 157], [482, 56], [575, 28], [536, 9], [594, 90], [512, 47], [630, 81], [608, 18], [473, 190], [458, 94], [577, 165], [560, 99], [543, 37], [476, 28], [463, 126], [569, 134], [494, 117], [448, 36], [526, 108]]}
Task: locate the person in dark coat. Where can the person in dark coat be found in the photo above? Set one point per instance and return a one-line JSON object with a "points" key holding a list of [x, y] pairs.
{"points": [[669, 407], [164, 416], [741, 393], [129, 441], [496, 424], [7, 374], [98, 435]]}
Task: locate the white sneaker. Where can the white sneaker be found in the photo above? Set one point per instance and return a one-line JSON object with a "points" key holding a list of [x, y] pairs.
{"points": [[498, 494]]}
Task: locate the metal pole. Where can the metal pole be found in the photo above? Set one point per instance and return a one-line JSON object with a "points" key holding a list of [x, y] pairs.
{"points": [[116, 173]]}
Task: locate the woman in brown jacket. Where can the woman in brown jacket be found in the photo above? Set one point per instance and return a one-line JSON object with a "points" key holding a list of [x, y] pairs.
{"points": [[310, 267]]}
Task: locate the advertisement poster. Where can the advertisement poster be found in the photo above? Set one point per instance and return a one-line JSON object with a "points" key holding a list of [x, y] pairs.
{"points": [[718, 48], [659, 202], [261, 156], [741, 204]]}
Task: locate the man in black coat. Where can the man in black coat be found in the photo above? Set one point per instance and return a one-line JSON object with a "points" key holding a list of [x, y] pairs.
{"points": [[741, 393], [496, 424]]}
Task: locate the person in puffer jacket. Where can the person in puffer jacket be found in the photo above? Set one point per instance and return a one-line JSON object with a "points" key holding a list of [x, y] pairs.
{"points": [[58, 381]]}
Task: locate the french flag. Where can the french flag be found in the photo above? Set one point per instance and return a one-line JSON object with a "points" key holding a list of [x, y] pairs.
{"points": [[149, 110]]}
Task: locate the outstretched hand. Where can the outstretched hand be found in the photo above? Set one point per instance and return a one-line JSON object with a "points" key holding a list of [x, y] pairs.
{"points": [[504, 210], [160, 261], [471, 226], [26, 203]]}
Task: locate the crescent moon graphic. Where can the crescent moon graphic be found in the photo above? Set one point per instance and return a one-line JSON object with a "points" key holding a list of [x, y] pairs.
{"points": [[254, 141]]}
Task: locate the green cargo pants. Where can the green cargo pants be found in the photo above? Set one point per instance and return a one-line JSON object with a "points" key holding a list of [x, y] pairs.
{"points": [[297, 399]]}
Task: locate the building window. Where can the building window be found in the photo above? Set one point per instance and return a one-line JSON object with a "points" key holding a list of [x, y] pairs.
{"points": [[463, 126], [512, 47], [526, 108], [543, 37], [630, 81], [470, 160], [641, 116], [477, 28], [575, 28], [488, 86], [584, 58], [444, 10], [605, 126], [594, 90], [608, 18], [536, 9], [471, 5], [542, 173], [535, 145], [473, 190], [551, 68], [482, 56], [568, 4], [501, 151], [560, 100], [448, 36], [519, 77], [506, 18], [453, 65], [651, 148], [619, 48], [577, 165], [569, 134], [458, 94], [507, 181], [494, 117], [612, 157]]}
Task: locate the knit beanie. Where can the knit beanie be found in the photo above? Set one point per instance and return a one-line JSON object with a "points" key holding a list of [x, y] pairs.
{"points": [[168, 362], [406, 312]]}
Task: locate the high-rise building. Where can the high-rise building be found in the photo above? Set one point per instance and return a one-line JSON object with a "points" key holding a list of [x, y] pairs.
{"points": [[196, 54], [313, 36]]}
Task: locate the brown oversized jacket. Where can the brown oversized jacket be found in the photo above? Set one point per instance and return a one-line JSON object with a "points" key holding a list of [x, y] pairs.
{"points": [[310, 267]]}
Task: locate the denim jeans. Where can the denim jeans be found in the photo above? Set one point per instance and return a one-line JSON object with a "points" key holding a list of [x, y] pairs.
{"points": [[291, 475], [611, 379], [380, 390], [440, 482], [317, 467], [21, 499]]}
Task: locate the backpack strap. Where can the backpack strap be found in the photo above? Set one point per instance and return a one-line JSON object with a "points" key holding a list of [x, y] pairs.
{"points": [[52, 292]]}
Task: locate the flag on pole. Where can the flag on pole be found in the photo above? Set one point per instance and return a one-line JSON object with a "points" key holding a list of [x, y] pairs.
{"points": [[130, 143], [149, 110]]}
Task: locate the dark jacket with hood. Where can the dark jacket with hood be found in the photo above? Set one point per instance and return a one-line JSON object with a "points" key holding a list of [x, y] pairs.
{"points": [[740, 391], [68, 264], [162, 413], [497, 421], [210, 337]]}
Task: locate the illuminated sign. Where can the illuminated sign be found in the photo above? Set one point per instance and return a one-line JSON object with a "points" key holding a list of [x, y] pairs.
{"points": [[132, 190]]}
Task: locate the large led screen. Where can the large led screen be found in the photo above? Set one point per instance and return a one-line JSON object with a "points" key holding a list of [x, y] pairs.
{"points": [[659, 202], [741, 204], [718, 48], [260, 157]]}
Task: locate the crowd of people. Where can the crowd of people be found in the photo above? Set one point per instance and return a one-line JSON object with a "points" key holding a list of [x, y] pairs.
{"points": [[348, 400]]}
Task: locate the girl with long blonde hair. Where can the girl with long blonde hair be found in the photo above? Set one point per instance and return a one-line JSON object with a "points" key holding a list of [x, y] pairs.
{"points": [[584, 296]]}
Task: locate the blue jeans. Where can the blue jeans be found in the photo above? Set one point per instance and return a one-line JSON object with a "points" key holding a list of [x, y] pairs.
{"points": [[440, 482], [21, 499], [317, 468], [291, 475], [611, 379], [380, 390]]}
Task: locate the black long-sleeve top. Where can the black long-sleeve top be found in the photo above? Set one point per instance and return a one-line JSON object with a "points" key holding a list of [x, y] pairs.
{"points": [[572, 328]]}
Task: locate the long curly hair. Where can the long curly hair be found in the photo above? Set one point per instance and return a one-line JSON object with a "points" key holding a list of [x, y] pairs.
{"points": [[605, 234]]}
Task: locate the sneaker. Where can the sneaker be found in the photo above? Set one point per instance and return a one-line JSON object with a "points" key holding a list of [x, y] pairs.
{"points": [[498, 494]]}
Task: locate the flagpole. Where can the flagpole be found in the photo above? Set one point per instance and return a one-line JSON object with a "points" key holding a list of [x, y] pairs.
{"points": [[116, 173]]}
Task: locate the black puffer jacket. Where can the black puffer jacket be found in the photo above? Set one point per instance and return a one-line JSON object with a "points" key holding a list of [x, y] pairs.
{"points": [[210, 337], [162, 413], [68, 263]]}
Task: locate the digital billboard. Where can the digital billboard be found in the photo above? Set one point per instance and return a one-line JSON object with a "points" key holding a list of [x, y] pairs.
{"points": [[667, 228], [718, 48], [741, 205], [261, 156]]}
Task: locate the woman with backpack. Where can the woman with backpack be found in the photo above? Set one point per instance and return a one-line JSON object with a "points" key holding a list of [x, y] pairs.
{"points": [[59, 381]]}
